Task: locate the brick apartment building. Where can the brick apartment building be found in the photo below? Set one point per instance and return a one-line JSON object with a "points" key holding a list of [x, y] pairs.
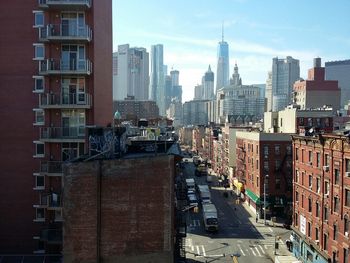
{"points": [[56, 76], [126, 210], [138, 109], [321, 198], [258, 155]]}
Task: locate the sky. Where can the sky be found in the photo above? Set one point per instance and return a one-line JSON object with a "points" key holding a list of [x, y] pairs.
{"points": [[255, 30]]}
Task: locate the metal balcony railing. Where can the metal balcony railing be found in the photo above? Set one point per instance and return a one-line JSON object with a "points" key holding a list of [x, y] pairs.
{"points": [[51, 236], [81, 4], [71, 66], [54, 201], [65, 32], [58, 134], [71, 100], [51, 167]]}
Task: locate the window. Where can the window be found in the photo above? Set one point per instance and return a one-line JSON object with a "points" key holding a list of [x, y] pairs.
{"points": [[310, 157], [296, 154], [302, 155], [336, 204], [310, 181], [38, 84], [277, 149], [325, 213], [302, 201], [347, 165], [39, 117], [310, 205], [277, 164], [266, 150], [289, 149], [58, 215], [296, 176], [257, 164], [39, 181], [296, 219], [335, 232], [296, 196], [257, 181], [326, 159], [38, 18], [266, 166], [325, 242], [40, 214], [346, 255], [318, 159], [317, 209], [346, 224], [39, 51], [257, 149], [278, 183], [318, 185], [347, 197], [39, 149], [336, 176], [308, 229], [317, 234], [326, 188]]}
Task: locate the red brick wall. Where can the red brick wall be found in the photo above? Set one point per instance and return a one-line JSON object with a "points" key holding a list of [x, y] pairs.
{"points": [[16, 112], [136, 209]]}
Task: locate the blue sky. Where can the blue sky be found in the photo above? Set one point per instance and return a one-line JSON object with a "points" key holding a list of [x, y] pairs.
{"points": [[255, 30]]}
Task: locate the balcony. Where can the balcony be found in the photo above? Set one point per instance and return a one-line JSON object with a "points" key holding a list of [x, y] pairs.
{"points": [[51, 168], [62, 134], [43, 201], [51, 236], [54, 202], [78, 5], [65, 67], [65, 101], [65, 33]]}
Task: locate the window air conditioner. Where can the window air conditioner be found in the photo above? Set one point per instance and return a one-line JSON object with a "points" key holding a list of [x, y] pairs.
{"points": [[347, 234], [347, 174], [326, 168]]}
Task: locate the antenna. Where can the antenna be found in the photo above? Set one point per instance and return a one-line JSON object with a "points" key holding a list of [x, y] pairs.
{"points": [[222, 33]]}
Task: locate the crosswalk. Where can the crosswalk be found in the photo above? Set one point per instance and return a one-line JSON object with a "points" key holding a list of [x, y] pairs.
{"points": [[243, 249], [195, 223]]}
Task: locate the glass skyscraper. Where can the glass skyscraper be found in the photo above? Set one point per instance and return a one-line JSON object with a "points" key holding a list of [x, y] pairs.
{"points": [[223, 68]]}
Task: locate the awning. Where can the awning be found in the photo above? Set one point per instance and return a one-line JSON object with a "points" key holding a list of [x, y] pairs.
{"points": [[252, 196]]}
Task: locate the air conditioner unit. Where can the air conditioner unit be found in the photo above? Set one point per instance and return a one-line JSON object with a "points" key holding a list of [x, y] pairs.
{"points": [[310, 163], [317, 242], [347, 174], [326, 195], [326, 168], [347, 234]]}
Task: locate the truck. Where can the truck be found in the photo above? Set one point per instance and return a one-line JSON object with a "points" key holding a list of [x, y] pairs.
{"points": [[190, 183], [204, 193], [210, 217]]}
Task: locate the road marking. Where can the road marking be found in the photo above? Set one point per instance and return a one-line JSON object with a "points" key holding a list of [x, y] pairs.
{"points": [[257, 250], [240, 248], [251, 249], [270, 229], [203, 251], [263, 251], [267, 246], [198, 253], [281, 242]]}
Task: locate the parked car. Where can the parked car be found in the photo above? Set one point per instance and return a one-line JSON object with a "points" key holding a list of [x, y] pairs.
{"points": [[192, 200]]}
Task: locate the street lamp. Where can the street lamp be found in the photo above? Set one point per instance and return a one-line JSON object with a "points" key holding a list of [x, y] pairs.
{"points": [[265, 179]]}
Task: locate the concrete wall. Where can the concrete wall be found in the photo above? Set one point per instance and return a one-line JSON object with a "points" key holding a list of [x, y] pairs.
{"points": [[136, 210]]}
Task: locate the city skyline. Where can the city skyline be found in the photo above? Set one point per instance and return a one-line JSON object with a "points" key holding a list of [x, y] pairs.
{"points": [[190, 33]]}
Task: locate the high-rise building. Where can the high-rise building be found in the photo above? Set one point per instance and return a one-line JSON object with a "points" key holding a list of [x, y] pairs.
{"points": [[223, 68], [157, 78], [132, 73], [198, 92], [208, 85], [195, 112], [268, 91], [57, 82], [284, 73], [339, 70], [316, 92], [174, 77]]}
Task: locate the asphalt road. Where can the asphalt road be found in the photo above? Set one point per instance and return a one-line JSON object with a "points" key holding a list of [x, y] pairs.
{"points": [[239, 239]]}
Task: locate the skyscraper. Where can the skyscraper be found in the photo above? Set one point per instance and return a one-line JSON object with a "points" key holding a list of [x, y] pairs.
{"points": [[340, 70], [130, 73], [223, 68], [60, 72], [157, 78], [284, 73], [208, 85]]}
